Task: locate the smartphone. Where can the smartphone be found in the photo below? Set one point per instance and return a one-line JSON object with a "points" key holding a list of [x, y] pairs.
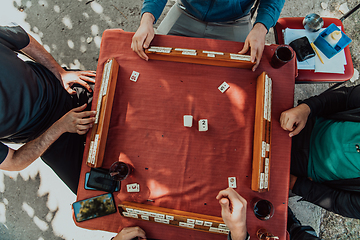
{"points": [[100, 179], [94, 207], [117, 188]]}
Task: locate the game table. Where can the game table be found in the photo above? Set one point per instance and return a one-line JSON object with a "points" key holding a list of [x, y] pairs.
{"points": [[179, 167]]}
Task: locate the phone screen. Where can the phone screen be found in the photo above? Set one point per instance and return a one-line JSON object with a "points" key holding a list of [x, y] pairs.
{"points": [[90, 188], [94, 207]]}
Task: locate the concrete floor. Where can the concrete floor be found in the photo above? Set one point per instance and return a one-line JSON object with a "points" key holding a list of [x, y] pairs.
{"points": [[34, 203]]}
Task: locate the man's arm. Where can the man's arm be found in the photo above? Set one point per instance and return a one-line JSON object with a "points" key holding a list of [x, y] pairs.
{"points": [[334, 101], [150, 12], [269, 12], [256, 42], [39, 54], [75, 121], [144, 35], [233, 212], [344, 203], [325, 104], [267, 16], [129, 233], [294, 119]]}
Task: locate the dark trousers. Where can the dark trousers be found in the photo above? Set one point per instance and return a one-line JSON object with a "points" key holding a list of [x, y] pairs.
{"points": [[303, 233], [300, 150], [65, 155], [299, 163]]}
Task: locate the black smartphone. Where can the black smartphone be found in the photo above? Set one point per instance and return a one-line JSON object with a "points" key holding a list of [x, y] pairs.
{"points": [[117, 188], [100, 179], [302, 48], [94, 207]]}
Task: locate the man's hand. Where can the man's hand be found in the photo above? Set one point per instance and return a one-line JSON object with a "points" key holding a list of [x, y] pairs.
{"points": [[256, 42], [69, 78], [294, 119], [144, 35], [233, 212], [130, 233], [77, 121]]}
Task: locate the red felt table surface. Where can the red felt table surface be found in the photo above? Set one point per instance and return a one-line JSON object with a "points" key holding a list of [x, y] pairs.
{"points": [[310, 76], [179, 167]]}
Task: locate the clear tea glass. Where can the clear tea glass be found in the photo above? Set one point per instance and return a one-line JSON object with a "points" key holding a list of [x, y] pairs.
{"points": [[119, 171]]}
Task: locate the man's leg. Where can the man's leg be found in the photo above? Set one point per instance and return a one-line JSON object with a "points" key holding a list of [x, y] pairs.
{"points": [[297, 231], [65, 155], [300, 150], [180, 23]]}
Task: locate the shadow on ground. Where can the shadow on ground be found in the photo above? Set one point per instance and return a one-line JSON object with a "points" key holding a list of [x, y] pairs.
{"points": [[71, 30], [23, 207]]}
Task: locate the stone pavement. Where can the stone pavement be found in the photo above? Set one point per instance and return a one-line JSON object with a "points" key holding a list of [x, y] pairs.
{"points": [[34, 203]]}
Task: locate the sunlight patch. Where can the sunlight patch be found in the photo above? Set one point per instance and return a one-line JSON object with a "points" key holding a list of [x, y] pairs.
{"points": [[29, 210], [49, 217], [86, 15], [97, 41], [2, 213], [56, 8], [41, 224], [75, 65], [28, 4], [83, 48], [35, 29], [2, 184], [67, 22], [94, 30], [97, 7], [70, 44], [43, 3]]}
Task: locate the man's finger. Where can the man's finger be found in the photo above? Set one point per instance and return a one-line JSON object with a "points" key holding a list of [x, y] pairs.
{"points": [[245, 48], [290, 125], [84, 84], [139, 48], [89, 73], [86, 114], [147, 41], [79, 109], [283, 120], [135, 232], [82, 132], [225, 205], [256, 65], [297, 130], [83, 127], [87, 79], [141, 53], [71, 91], [143, 45], [253, 52], [85, 121], [258, 59]]}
